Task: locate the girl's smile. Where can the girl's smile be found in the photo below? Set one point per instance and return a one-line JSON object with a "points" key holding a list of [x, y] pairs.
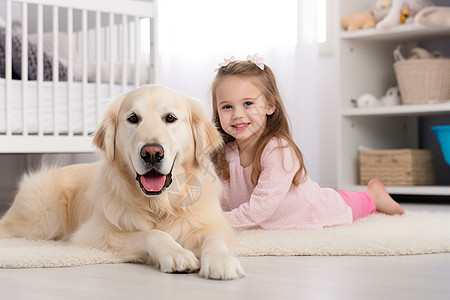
{"points": [[240, 126]]}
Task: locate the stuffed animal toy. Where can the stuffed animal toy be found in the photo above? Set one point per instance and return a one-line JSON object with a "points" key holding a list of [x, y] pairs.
{"points": [[437, 16], [403, 52], [402, 11], [380, 9], [366, 100], [392, 97], [358, 21]]}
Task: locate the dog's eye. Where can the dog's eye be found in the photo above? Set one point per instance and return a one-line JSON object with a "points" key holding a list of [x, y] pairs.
{"points": [[133, 119], [170, 118]]}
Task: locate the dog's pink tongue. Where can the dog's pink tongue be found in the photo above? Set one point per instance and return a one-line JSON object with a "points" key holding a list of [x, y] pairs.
{"points": [[153, 182]]}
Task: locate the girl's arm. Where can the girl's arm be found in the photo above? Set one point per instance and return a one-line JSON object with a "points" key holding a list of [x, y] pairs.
{"points": [[279, 166]]}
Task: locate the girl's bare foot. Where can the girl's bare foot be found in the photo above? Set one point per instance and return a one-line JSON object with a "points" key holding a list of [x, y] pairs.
{"points": [[383, 201]]}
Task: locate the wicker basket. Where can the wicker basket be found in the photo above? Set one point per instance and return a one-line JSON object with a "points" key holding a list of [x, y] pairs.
{"points": [[398, 167], [422, 81]]}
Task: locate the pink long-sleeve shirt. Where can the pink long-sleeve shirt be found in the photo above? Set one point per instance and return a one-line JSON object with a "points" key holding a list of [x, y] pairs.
{"points": [[276, 203]]}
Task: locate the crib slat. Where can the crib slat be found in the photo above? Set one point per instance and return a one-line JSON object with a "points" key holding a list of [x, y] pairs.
{"points": [[24, 68], [153, 48], [124, 43], [8, 66], [98, 62], [137, 48], [55, 71], [40, 65], [112, 47], [84, 68], [69, 69]]}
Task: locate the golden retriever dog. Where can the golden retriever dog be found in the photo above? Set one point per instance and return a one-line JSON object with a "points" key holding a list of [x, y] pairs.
{"points": [[152, 198]]}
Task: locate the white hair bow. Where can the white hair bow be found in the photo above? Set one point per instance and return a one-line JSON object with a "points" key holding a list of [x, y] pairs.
{"points": [[257, 60], [226, 62]]}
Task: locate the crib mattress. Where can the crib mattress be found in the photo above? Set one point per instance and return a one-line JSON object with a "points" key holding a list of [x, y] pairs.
{"points": [[47, 106]]}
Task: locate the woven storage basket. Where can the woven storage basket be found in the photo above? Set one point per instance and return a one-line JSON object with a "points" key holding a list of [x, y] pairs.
{"points": [[422, 81], [398, 167]]}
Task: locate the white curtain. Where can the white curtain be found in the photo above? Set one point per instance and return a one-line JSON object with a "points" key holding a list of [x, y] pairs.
{"points": [[195, 35]]}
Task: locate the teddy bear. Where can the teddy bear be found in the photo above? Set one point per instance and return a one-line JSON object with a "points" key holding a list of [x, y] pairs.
{"points": [[358, 21], [367, 19]]}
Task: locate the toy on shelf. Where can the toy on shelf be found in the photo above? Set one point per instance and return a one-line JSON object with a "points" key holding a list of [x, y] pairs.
{"points": [[402, 12], [358, 21], [386, 14], [433, 16], [405, 52], [366, 19], [392, 97], [380, 9], [366, 100]]}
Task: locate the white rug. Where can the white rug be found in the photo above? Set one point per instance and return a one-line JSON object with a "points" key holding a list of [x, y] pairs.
{"points": [[413, 233]]}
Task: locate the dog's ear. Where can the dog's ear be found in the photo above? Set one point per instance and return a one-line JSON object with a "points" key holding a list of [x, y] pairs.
{"points": [[206, 136], [105, 135]]}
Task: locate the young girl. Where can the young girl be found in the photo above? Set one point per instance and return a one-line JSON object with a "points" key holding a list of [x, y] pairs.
{"points": [[265, 181]]}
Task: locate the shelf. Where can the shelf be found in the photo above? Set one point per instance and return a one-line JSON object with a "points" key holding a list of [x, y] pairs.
{"points": [[398, 110], [407, 32], [407, 190], [366, 66]]}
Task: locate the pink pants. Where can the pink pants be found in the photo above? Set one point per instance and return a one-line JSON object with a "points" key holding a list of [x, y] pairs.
{"points": [[360, 202]]}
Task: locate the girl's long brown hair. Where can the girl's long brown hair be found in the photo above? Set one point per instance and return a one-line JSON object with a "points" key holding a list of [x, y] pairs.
{"points": [[277, 124]]}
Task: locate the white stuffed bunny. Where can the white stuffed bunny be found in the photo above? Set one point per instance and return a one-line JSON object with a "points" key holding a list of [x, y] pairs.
{"points": [[392, 97], [437, 16]]}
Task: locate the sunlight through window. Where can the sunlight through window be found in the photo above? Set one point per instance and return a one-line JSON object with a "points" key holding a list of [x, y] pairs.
{"points": [[199, 26], [321, 21]]}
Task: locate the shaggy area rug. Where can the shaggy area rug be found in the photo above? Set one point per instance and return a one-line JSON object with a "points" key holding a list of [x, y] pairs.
{"points": [[375, 235]]}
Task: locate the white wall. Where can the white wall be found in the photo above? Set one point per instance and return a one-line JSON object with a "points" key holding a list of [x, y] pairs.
{"points": [[325, 171], [327, 87]]}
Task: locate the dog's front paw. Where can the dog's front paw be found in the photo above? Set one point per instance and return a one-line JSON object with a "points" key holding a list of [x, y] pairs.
{"points": [[179, 260], [221, 267], [168, 255]]}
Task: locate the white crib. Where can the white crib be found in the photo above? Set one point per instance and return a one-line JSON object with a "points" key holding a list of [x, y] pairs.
{"points": [[62, 62]]}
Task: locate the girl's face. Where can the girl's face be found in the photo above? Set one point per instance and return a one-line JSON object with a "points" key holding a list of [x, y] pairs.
{"points": [[242, 108]]}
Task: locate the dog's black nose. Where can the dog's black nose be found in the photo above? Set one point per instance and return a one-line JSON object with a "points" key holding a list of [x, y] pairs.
{"points": [[152, 153]]}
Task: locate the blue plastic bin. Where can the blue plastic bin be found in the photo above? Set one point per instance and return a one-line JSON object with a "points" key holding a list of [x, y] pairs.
{"points": [[443, 135]]}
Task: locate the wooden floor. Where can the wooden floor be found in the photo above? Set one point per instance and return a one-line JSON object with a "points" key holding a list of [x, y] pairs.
{"points": [[307, 277]]}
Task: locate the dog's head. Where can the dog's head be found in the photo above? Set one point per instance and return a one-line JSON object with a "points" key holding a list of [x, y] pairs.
{"points": [[152, 131]]}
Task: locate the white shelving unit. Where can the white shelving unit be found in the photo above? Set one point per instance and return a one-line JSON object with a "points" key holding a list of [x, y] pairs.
{"points": [[366, 66]]}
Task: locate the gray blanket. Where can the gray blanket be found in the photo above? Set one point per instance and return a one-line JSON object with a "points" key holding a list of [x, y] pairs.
{"points": [[32, 59]]}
